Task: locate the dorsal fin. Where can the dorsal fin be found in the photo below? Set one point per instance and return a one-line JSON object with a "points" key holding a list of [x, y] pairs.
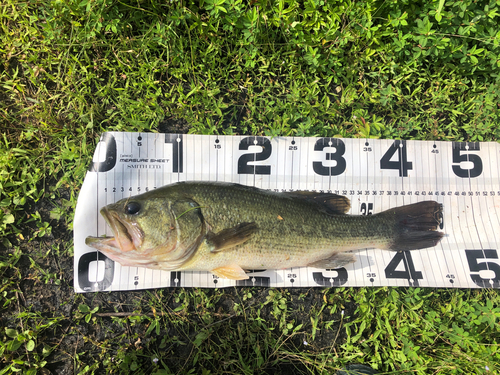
{"points": [[331, 203]]}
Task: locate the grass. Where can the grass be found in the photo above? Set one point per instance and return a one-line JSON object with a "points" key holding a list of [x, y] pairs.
{"points": [[70, 70]]}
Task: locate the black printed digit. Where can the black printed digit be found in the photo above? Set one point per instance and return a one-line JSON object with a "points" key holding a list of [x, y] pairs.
{"points": [[255, 280], [339, 280], [366, 208], [402, 164], [409, 272], [83, 271], [177, 159], [243, 167], [367, 148], [459, 157], [475, 266], [110, 162], [175, 278], [339, 146]]}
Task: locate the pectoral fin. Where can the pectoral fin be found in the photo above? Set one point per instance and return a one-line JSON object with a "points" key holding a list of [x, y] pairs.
{"points": [[337, 260], [231, 237], [233, 272]]}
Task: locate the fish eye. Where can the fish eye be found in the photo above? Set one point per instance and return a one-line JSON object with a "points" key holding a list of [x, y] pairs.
{"points": [[132, 208]]}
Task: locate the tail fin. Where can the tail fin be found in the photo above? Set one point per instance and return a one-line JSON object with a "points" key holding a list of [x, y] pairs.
{"points": [[416, 225]]}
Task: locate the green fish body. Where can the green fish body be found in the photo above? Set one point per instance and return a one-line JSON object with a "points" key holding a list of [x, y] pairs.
{"points": [[229, 228]]}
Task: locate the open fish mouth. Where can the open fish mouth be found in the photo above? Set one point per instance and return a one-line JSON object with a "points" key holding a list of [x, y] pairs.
{"points": [[127, 236]]}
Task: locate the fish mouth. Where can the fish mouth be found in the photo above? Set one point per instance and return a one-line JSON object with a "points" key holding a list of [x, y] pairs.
{"points": [[127, 236]]}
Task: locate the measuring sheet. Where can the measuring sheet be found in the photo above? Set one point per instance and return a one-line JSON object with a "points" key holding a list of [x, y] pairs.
{"points": [[374, 174]]}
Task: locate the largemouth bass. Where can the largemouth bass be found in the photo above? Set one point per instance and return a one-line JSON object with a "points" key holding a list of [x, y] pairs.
{"points": [[229, 228]]}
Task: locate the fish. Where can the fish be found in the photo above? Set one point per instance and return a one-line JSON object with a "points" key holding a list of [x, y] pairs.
{"points": [[229, 229]]}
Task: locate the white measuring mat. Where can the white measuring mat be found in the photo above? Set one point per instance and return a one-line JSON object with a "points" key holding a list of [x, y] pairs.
{"points": [[374, 174]]}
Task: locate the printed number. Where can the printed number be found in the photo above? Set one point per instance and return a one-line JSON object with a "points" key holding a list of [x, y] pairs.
{"points": [[458, 158], [339, 280], [475, 266], [175, 278], [409, 272], [339, 146], [177, 159], [371, 274], [366, 209], [255, 280], [110, 161], [292, 148], [243, 167], [402, 164], [83, 271]]}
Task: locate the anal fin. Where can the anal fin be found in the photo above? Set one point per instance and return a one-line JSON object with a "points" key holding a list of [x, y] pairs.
{"points": [[232, 271], [337, 260]]}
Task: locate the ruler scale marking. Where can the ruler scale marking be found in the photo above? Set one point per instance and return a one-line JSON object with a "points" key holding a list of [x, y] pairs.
{"points": [[462, 176]]}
